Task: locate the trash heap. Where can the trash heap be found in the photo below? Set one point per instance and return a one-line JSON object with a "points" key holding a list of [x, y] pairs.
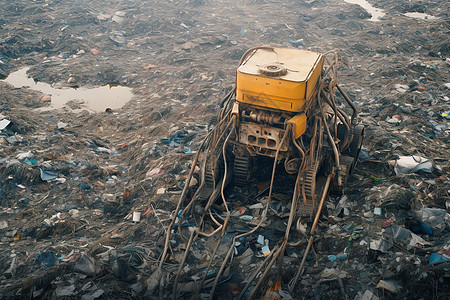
{"points": [[87, 198]]}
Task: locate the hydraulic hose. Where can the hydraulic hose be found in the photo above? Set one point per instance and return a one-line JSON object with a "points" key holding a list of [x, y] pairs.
{"points": [[350, 102], [263, 216]]}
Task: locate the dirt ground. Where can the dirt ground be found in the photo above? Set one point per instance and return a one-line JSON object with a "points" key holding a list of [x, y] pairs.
{"points": [[71, 235]]}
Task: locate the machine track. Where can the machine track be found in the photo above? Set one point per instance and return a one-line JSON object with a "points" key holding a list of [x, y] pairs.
{"points": [[347, 163], [208, 186], [305, 207], [241, 170]]}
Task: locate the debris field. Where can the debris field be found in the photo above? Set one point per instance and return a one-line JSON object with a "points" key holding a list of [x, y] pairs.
{"points": [[88, 193]]}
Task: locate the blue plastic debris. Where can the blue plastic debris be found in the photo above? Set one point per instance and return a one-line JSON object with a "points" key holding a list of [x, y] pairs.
{"points": [[24, 201], [436, 258], [342, 256], [47, 175], [174, 141], [105, 150], [297, 43], [47, 259], [363, 156], [260, 239], [30, 162], [85, 186], [421, 228]]}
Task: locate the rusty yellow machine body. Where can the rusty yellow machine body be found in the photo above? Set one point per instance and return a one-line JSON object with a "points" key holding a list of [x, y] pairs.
{"points": [[288, 114], [284, 107], [273, 88]]}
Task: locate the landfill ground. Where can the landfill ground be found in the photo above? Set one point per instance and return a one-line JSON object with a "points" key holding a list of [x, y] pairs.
{"points": [[71, 177]]}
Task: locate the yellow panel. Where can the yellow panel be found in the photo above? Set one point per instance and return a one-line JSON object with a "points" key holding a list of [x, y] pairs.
{"points": [[267, 102], [299, 125], [287, 92], [299, 63], [270, 92], [312, 82]]}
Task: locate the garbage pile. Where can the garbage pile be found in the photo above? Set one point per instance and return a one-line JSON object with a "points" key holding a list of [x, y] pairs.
{"points": [[87, 198]]}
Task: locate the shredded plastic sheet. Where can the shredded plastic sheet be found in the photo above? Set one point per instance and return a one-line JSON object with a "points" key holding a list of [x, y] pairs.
{"points": [[4, 123], [411, 164], [436, 218]]}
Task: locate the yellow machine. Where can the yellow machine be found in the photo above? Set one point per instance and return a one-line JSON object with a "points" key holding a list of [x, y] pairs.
{"points": [[285, 126], [283, 107], [273, 86]]}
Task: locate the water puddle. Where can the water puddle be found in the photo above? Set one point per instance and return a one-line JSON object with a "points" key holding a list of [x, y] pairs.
{"points": [[95, 99], [376, 13], [422, 16]]}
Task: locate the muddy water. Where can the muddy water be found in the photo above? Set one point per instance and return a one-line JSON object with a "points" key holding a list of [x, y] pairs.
{"points": [[95, 99], [376, 13], [422, 16]]}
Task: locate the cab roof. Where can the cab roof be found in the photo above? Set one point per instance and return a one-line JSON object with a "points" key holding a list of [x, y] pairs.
{"points": [[299, 63]]}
